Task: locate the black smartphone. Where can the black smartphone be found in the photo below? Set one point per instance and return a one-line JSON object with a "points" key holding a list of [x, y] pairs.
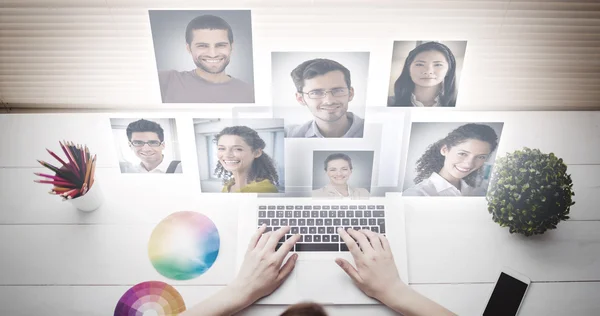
{"points": [[508, 294]]}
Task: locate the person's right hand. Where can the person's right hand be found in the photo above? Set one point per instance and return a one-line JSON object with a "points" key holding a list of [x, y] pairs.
{"points": [[375, 273]]}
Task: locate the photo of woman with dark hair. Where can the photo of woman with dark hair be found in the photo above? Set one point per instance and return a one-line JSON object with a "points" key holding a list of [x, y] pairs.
{"points": [[428, 78], [242, 164], [450, 166], [338, 168]]}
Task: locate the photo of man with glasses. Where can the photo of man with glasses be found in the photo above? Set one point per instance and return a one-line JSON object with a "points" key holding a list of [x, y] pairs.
{"points": [[324, 87], [146, 139]]}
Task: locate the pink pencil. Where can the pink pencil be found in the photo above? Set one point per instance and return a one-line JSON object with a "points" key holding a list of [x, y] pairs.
{"points": [[51, 177], [71, 158], [57, 183]]}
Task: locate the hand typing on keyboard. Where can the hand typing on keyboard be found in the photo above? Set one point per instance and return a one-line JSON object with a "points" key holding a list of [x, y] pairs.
{"points": [[375, 273], [264, 270]]}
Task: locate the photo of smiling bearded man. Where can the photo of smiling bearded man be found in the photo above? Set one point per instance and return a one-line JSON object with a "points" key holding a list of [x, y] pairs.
{"points": [[209, 41]]}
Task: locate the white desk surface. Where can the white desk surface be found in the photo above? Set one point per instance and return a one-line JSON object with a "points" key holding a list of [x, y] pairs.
{"points": [[59, 261]]}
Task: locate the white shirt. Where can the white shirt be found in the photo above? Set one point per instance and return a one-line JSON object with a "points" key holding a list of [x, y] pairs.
{"points": [[330, 191], [139, 168], [417, 103], [310, 129], [436, 185]]}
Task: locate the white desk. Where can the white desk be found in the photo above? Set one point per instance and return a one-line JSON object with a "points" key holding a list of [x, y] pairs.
{"points": [[59, 261]]}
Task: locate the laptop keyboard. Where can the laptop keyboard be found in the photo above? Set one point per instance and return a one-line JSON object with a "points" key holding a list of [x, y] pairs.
{"points": [[317, 224]]}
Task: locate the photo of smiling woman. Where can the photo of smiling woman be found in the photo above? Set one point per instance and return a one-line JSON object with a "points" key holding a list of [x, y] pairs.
{"points": [[429, 76], [242, 164], [454, 165], [338, 169], [240, 155]]}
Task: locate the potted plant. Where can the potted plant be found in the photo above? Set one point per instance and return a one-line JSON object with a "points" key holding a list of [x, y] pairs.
{"points": [[530, 192]]}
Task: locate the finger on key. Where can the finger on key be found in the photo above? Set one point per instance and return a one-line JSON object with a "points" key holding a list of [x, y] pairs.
{"points": [[256, 237], [385, 243], [263, 240], [374, 239], [352, 246], [362, 240], [275, 237], [287, 246]]}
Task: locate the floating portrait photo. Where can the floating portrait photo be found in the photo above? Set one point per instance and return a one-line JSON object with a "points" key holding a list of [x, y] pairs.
{"points": [[147, 145], [240, 155], [320, 94], [425, 73], [203, 56], [342, 174], [450, 158]]}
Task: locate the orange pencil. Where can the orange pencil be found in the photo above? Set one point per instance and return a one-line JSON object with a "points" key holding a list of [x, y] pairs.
{"points": [[61, 189], [86, 179], [92, 172]]}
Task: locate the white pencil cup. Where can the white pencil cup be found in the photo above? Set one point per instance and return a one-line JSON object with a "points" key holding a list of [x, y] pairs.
{"points": [[90, 201]]}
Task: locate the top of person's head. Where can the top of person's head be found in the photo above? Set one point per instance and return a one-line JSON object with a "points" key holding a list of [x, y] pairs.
{"points": [[337, 156], [404, 86], [317, 67], [305, 309], [249, 136], [207, 22], [465, 132], [143, 125], [429, 46]]}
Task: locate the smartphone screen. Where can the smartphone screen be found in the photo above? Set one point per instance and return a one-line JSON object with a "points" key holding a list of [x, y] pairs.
{"points": [[506, 297]]}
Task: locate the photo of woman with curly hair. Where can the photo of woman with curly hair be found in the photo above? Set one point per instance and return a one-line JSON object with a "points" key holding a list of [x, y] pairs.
{"points": [[240, 155], [242, 164], [452, 165]]}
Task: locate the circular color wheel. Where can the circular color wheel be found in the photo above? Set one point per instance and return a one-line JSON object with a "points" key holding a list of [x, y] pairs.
{"points": [[184, 245], [152, 298]]}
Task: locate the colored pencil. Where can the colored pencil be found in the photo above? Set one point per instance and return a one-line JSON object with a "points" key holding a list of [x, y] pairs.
{"points": [[57, 158], [61, 173], [72, 166], [61, 189], [92, 172], [76, 175], [55, 182], [50, 176]]}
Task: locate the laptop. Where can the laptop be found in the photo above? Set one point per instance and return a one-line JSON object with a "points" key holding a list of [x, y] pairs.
{"points": [[316, 276]]}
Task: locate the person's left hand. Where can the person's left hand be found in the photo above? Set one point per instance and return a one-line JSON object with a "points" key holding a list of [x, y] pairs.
{"points": [[262, 271]]}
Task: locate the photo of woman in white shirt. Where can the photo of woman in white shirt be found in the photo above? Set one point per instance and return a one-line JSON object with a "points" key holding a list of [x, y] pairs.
{"points": [[338, 167], [450, 166]]}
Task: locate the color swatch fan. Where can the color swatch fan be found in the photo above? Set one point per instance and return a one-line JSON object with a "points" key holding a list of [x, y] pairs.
{"points": [[184, 245], [152, 298]]}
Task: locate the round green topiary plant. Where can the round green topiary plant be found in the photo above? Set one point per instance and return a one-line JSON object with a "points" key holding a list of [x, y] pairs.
{"points": [[530, 192]]}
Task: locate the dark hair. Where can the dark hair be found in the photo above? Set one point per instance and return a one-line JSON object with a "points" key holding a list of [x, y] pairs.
{"points": [[305, 309], [262, 168], [404, 86], [433, 161], [207, 22], [145, 126], [337, 156], [317, 67]]}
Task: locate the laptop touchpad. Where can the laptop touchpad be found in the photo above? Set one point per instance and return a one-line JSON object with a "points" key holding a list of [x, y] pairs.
{"points": [[323, 281]]}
